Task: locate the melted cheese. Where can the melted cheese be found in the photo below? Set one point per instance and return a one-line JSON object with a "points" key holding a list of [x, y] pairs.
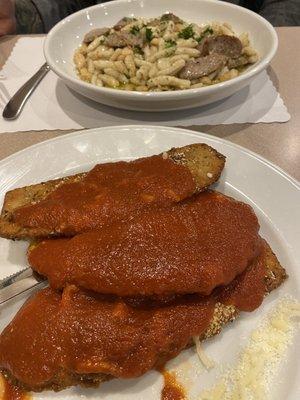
{"points": [[259, 362]]}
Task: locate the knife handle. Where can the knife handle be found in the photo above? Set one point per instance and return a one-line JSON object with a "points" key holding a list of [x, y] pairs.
{"points": [[16, 103]]}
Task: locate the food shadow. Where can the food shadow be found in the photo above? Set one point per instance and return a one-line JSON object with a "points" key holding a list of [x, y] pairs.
{"points": [[90, 114]]}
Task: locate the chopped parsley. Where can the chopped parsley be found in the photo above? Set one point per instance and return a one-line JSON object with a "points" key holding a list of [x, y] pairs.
{"points": [[170, 51], [138, 50], [206, 32], [187, 32], [149, 34], [135, 30], [170, 43]]}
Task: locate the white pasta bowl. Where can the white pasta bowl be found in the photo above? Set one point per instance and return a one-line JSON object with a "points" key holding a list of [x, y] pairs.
{"points": [[67, 35]]}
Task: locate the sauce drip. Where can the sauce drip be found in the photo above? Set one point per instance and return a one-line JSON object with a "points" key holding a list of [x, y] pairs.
{"points": [[11, 392], [172, 390], [247, 291]]}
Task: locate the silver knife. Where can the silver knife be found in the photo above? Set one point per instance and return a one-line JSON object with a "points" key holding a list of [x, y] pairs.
{"points": [[16, 103], [19, 283]]}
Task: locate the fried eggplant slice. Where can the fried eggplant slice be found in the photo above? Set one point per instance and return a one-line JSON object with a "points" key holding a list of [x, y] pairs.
{"points": [[111, 191], [191, 247], [83, 338]]}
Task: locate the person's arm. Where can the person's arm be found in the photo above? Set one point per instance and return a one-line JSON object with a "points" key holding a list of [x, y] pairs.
{"points": [[7, 17], [281, 12]]}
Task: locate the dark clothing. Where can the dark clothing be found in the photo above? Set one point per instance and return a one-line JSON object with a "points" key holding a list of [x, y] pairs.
{"points": [[28, 18], [278, 12], [39, 16], [52, 11]]}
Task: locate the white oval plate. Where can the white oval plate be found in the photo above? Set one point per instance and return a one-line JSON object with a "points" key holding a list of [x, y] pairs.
{"points": [[67, 35], [274, 196]]}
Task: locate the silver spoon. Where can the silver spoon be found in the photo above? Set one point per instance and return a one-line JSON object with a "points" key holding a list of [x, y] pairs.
{"points": [[16, 103]]}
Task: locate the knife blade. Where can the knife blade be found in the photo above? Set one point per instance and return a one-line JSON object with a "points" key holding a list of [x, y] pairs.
{"points": [[19, 283]]}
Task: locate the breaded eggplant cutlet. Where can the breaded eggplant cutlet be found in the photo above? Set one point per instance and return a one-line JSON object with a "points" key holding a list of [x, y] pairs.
{"points": [[83, 338], [109, 192], [192, 247]]}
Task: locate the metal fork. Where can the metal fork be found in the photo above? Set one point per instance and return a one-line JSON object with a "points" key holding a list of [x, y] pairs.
{"points": [[16, 103]]}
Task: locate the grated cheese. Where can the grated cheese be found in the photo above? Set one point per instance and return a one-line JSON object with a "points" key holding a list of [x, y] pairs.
{"points": [[206, 361], [260, 360]]}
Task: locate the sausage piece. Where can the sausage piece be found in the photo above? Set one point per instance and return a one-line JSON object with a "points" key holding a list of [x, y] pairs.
{"points": [[123, 22], [123, 39], [229, 46], [202, 66], [203, 46], [94, 33]]}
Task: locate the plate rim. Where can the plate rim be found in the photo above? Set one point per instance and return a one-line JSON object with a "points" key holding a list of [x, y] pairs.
{"points": [[216, 139]]}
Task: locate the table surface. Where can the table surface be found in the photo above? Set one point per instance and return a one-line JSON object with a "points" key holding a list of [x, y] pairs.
{"points": [[277, 142]]}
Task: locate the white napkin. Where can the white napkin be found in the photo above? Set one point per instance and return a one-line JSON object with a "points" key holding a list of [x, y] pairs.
{"points": [[54, 106]]}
